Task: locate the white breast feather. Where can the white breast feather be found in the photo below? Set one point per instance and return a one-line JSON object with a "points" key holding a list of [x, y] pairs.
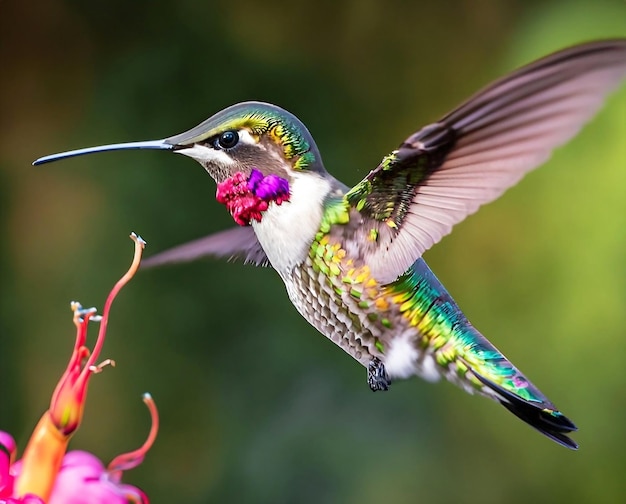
{"points": [[286, 231]]}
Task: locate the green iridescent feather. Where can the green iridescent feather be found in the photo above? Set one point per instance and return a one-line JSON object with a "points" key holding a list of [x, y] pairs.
{"points": [[446, 330]]}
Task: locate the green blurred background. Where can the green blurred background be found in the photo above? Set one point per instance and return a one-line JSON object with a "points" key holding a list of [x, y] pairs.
{"points": [[255, 405]]}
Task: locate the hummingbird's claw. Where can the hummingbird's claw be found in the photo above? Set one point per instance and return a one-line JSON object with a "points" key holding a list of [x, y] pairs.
{"points": [[377, 377]]}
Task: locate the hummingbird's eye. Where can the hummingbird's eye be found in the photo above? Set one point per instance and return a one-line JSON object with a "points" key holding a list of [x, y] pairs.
{"points": [[227, 140]]}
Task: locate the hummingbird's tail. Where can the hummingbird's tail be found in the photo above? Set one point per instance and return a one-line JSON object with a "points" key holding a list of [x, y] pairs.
{"points": [[549, 422], [459, 352]]}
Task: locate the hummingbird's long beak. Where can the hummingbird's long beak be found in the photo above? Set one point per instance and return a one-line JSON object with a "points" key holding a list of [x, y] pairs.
{"points": [[149, 144]]}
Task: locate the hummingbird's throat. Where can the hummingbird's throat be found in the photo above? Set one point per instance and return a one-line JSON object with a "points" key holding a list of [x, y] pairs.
{"points": [[247, 197]]}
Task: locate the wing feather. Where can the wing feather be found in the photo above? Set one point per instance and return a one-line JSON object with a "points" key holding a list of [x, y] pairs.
{"points": [[239, 243], [447, 170]]}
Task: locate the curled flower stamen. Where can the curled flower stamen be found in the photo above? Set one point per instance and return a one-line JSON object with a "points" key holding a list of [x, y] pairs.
{"points": [[132, 459], [139, 246]]}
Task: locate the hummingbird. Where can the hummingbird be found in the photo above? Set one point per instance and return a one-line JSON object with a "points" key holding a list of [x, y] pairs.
{"points": [[351, 257]]}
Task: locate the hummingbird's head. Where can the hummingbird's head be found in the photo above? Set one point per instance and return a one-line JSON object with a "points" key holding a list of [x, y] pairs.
{"points": [[254, 151]]}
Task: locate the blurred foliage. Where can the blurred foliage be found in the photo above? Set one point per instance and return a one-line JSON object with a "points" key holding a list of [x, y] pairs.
{"points": [[256, 406]]}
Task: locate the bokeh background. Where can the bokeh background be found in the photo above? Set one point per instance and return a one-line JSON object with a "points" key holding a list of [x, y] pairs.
{"points": [[255, 405]]}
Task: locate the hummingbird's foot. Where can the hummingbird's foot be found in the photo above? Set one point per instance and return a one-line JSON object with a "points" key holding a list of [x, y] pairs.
{"points": [[377, 377]]}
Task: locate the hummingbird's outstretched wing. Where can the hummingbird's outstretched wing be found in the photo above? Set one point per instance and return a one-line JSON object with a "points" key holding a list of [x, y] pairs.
{"points": [[234, 243], [448, 169]]}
